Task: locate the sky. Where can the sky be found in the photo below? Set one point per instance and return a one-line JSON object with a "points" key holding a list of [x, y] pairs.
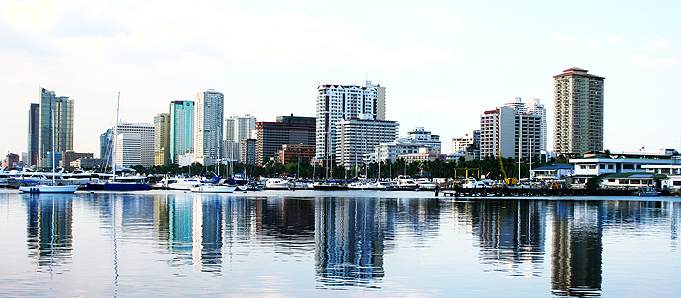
{"points": [[443, 63]]}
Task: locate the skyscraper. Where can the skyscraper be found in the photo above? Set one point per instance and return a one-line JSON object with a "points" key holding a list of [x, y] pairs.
{"points": [[62, 107], [162, 139], [181, 129], [33, 134], [208, 125], [531, 107], [135, 144], [294, 130], [578, 112], [336, 103], [509, 133]]}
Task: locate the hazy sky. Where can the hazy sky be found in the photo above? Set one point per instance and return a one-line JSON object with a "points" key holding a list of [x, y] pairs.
{"points": [[443, 63]]}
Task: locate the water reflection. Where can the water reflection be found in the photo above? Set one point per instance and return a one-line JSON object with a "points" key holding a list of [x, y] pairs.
{"points": [[348, 239], [49, 230]]}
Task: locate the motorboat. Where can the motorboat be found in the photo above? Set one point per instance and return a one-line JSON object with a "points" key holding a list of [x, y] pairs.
{"points": [[426, 184], [472, 183], [182, 183], [647, 192], [406, 183], [121, 184], [212, 188], [385, 185], [330, 185], [277, 183]]}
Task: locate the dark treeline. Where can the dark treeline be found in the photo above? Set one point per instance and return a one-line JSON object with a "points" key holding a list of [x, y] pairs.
{"points": [[490, 167]]}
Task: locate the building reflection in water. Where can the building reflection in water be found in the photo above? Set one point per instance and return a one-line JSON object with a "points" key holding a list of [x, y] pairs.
{"points": [[577, 248], [511, 234], [49, 229], [350, 239]]}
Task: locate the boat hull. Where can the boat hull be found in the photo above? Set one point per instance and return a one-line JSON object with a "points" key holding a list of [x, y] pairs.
{"points": [[49, 189], [214, 189], [118, 186]]}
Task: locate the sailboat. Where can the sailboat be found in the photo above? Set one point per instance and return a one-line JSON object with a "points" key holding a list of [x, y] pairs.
{"points": [[123, 183], [50, 188]]}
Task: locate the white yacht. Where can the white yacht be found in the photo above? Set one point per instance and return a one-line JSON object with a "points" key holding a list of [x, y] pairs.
{"points": [[406, 183], [277, 183], [426, 184]]}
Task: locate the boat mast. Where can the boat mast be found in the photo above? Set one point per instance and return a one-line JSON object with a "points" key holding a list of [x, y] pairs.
{"points": [[53, 148], [113, 155]]}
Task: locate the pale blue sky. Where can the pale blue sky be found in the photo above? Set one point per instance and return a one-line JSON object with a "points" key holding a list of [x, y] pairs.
{"points": [[443, 62]]}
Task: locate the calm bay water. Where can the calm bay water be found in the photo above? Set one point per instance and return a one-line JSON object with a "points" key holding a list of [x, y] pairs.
{"points": [[350, 243]]}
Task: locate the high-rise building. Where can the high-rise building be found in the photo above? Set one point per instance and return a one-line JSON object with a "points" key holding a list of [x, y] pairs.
{"points": [[336, 103], [229, 128], [181, 129], [135, 144], [508, 133], [533, 107], [469, 144], [244, 127], [62, 109], [578, 112], [106, 144], [292, 130], [33, 134], [358, 138], [248, 151], [208, 125], [162, 139]]}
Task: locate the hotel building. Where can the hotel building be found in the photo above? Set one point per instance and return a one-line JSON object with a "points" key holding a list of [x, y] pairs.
{"points": [[336, 103], [578, 112]]}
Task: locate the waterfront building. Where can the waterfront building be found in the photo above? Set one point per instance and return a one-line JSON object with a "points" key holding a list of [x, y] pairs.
{"points": [[162, 139], [270, 136], [532, 107], [62, 107], [10, 161], [135, 144], [229, 127], [181, 129], [86, 162], [244, 127], [106, 144], [357, 138], [504, 131], [556, 171], [247, 148], [208, 125], [129, 149], [578, 112], [468, 145], [336, 103], [421, 157], [423, 137], [33, 134], [391, 150], [295, 153], [69, 156]]}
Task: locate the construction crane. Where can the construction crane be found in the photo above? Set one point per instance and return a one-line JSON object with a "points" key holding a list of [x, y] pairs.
{"points": [[507, 181]]}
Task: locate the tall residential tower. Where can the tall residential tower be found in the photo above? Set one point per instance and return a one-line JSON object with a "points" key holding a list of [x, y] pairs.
{"points": [[62, 107], [578, 112], [208, 126], [181, 129]]}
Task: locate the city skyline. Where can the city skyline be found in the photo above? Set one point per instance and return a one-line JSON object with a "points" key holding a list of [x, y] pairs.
{"points": [[442, 64]]}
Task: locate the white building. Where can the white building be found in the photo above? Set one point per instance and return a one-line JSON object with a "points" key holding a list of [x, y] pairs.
{"points": [[504, 131], [423, 137], [390, 151], [468, 145], [209, 111], [534, 107], [357, 138], [135, 144], [336, 103]]}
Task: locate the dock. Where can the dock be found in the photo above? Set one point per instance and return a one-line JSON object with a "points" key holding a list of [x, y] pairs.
{"points": [[531, 192]]}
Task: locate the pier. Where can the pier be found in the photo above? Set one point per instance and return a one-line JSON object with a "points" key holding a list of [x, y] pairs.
{"points": [[531, 192]]}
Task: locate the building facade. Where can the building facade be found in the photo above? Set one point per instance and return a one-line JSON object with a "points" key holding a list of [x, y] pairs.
{"points": [[181, 129], [509, 134], [208, 125], [247, 148], [423, 137], [106, 144], [33, 134], [468, 145], [162, 139], [135, 144], [62, 109], [295, 153], [270, 136], [336, 103], [578, 112], [358, 138]]}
